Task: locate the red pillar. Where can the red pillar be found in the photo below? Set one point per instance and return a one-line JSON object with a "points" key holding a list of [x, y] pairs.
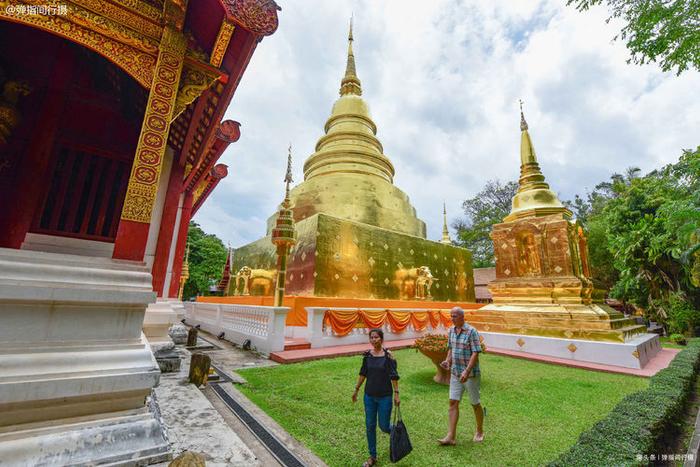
{"points": [[181, 242], [135, 222], [167, 228]]}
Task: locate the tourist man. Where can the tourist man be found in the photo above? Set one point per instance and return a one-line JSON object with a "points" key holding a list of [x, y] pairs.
{"points": [[463, 362]]}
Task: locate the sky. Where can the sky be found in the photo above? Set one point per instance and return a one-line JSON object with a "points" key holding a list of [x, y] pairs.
{"points": [[443, 80]]}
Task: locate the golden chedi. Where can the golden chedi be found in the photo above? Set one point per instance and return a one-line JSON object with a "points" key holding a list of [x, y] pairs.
{"points": [[543, 282], [358, 235]]}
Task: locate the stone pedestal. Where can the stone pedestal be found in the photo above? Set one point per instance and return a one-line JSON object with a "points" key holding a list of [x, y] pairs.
{"points": [[75, 368], [159, 317]]}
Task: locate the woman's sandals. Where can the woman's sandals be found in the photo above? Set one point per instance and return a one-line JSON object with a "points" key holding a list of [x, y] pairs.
{"points": [[370, 462]]}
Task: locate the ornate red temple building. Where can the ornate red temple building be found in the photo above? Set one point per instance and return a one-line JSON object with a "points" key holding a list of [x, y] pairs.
{"points": [[111, 126], [110, 134]]}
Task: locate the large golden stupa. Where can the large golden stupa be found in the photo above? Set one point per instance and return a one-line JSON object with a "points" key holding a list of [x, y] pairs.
{"points": [[358, 235]]}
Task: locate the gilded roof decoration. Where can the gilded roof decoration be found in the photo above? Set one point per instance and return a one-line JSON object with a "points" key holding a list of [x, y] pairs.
{"points": [[257, 16]]}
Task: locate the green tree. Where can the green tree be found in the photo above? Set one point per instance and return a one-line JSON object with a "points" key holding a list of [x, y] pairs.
{"points": [[649, 223], [206, 260], [588, 211], [663, 31], [487, 208]]}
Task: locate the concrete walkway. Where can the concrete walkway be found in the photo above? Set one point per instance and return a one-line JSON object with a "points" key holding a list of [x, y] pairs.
{"points": [[197, 420]]}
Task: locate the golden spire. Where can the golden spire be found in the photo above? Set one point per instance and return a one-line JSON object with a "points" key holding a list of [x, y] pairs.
{"points": [[445, 232], [534, 198], [185, 273], [350, 83], [186, 266]]}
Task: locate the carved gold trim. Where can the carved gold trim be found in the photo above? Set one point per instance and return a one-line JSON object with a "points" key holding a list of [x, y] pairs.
{"points": [[635, 354], [137, 63], [193, 82], [124, 16], [572, 348], [150, 151], [198, 192], [221, 44], [520, 342], [102, 24], [142, 8]]}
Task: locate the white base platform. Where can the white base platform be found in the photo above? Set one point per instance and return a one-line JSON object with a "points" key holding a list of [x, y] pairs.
{"points": [[129, 438], [635, 353], [75, 367]]}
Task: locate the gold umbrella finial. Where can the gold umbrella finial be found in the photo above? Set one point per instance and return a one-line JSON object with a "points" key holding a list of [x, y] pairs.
{"points": [[288, 176], [523, 123]]}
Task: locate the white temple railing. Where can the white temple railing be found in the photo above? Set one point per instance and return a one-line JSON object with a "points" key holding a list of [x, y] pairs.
{"points": [[262, 325], [321, 335]]}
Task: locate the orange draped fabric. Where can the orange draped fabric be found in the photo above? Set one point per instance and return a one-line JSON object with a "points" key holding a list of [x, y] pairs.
{"points": [[398, 320], [373, 318], [341, 321], [446, 319], [434, 317], [419, 320]]}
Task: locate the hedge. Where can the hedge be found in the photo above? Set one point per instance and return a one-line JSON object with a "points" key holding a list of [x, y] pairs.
{"points": [[643, 422]]}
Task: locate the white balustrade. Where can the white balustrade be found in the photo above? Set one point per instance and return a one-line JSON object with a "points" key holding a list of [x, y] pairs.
{"points": [[262, 325], [323, 336]]}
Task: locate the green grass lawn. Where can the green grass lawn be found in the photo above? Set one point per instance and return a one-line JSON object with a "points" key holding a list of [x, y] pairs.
{"points": [[666, 342], [535, 411]]}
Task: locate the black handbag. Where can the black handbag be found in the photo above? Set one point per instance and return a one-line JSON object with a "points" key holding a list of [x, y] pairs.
{"points": [[399, 442]]}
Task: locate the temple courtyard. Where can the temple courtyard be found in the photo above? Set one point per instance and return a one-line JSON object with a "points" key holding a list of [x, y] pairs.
{"points": [[535, 410]]}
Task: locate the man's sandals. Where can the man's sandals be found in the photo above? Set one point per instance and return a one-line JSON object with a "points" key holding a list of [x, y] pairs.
{"points": [[370, 462]]}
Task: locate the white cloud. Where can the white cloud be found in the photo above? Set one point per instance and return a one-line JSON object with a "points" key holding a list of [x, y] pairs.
{"points": [[442, 80]]}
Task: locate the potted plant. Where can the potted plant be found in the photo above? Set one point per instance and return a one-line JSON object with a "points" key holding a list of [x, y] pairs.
{"points": [[434, 346]]}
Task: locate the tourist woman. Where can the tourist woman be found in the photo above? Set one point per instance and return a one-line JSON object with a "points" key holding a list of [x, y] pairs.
{"points": [[379, 370]]}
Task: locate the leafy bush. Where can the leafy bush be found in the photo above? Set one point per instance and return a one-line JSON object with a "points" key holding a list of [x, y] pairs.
{"points": [[678, 339], [643, 422], [681, 317]]}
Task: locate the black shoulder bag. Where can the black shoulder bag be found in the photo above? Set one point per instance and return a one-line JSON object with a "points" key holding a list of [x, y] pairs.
{"points": [[399, 443]]}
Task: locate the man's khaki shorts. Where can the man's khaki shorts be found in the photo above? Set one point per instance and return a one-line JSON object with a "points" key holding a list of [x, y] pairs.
{"points": [[472, 387]]}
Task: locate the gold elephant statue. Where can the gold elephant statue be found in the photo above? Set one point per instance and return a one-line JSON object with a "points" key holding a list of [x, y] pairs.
{"points": [[255, 281]]}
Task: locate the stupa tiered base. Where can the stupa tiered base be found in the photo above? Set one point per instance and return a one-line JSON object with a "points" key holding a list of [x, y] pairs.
{"points": [[634, 353], [591, 333], [595, 322]]}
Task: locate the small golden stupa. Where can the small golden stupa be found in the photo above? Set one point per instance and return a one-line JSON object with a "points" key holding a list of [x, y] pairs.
{"points": [[543, 283], [358, 235]]}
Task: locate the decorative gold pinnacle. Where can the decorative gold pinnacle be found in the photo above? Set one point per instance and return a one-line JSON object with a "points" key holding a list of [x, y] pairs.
{"points": [[283, 235], [523, 123], [534, 198], [445, 232], [185, 273], [288, 176], [351, 83]]}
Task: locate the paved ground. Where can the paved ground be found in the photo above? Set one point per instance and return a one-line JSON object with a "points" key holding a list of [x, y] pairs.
{"points": [[194, 424], [199, 421]]}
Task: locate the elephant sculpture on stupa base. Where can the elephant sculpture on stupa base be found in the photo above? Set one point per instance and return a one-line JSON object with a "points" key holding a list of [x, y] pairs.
{"points": [[255, 281]]}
